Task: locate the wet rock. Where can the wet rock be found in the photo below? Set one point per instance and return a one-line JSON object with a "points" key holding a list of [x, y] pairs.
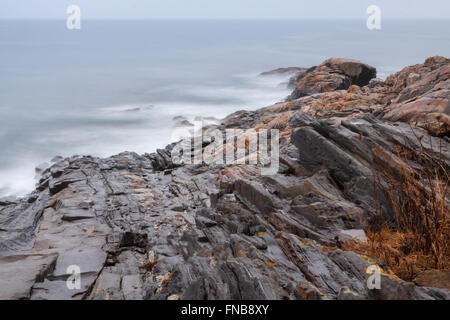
{"points": [[376, 82], [162, 159], [40, 169], [19, 222], [399, 81], [346, 294], [73, 215], [254, 195], [282, 71], [317, 152], [241, 120], [140, 227], [89, 260], [393, 289], [355, 234], [333, 74], [6, 201], [131, 239], [58, 289], [61, 181], [425, 102], [306, 291], [204, 222], [181, 121], [56, 159]]}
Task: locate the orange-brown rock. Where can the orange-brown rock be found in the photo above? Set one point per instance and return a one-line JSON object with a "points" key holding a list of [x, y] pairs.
{"points": [[425, 102], [333, 74], [400, 80], [341, 88], [147, 227]]}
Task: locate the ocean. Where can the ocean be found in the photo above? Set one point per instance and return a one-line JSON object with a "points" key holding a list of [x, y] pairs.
{"points": [[116, 86]]}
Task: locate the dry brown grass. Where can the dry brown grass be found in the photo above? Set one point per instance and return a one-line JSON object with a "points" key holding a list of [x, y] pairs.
{"points": [[392, 249], [419, 237]]}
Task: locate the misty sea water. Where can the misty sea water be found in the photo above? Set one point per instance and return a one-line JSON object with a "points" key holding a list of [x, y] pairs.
{"points": [[116, 86]]}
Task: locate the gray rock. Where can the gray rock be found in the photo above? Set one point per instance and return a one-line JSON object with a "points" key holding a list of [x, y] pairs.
{"points": [[141, 227], [19, 273]]}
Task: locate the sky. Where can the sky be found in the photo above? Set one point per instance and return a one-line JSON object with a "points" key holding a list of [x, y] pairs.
{"points": [[225, 9]]}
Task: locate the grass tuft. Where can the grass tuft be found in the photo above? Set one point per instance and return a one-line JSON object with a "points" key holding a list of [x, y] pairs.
{"points": [[418, 238]]}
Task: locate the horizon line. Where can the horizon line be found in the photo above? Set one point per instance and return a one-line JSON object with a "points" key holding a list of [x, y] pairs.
{"points": [[223, 19]]}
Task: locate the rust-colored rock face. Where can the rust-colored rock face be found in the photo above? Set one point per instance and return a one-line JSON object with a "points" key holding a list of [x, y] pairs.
{"points": [[417, 95], [425, 102]]}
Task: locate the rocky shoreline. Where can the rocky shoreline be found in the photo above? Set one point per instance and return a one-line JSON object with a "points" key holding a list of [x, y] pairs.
{"points": [[141, 227]]}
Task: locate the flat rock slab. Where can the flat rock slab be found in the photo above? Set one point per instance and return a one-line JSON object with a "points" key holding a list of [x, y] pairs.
{"points": [[59, 290]]}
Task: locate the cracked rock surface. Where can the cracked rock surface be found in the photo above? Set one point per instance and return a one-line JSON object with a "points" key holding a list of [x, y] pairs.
{"points": [[141, 227]]}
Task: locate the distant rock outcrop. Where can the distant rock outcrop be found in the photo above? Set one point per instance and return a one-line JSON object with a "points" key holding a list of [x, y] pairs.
{"points": [[333, 74], [283, 71]]}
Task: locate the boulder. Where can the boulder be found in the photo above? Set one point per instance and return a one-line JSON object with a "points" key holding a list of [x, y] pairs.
{"points": [[283, 71]]}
